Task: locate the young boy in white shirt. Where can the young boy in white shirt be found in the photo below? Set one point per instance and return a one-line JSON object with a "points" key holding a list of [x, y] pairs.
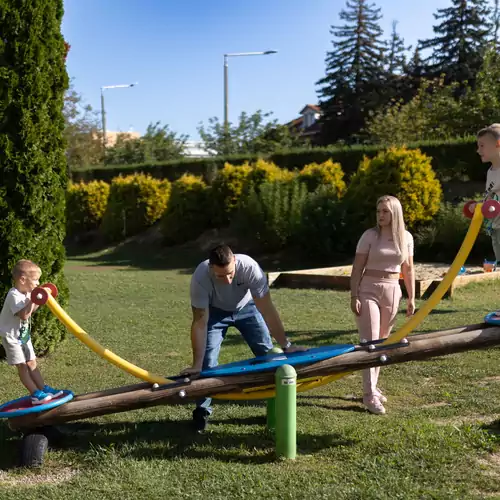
{"points": [[15, 330], [488, 148]]}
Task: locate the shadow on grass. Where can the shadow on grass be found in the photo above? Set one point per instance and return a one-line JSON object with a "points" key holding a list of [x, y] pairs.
{"points": [[10, 445], [133, 254], [493, 428], [156, 256], [439, 312], [170, 439]]}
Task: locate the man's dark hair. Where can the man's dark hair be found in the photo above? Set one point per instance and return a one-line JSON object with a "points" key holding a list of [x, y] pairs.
{"points": [[220, 256]]}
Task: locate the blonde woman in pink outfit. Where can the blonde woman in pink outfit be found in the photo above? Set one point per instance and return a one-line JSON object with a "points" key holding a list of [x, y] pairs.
{"points": [[383, 252]]}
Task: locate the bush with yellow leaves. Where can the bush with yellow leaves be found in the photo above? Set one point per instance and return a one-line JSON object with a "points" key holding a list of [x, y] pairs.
{"points": [[188, 213], [328, 175], [85, 206], [401, 172], [135, 203]]}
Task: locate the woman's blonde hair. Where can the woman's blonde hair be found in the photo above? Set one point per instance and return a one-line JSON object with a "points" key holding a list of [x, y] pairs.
{"points": [[397, 225]]}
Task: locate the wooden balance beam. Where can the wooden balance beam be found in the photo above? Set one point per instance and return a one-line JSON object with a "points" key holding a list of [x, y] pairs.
{"points": [[137, 396]]}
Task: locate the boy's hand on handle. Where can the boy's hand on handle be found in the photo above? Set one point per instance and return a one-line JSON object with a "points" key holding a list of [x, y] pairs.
{"points": [[355, 306], [410, 308]]}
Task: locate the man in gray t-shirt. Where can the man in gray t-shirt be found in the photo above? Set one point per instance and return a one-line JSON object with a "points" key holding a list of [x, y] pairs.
{"points": [[230, 290]]}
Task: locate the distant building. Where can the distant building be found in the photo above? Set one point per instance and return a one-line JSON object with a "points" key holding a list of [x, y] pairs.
{"points": [[307, 124], [196, 149], [111, 137]]}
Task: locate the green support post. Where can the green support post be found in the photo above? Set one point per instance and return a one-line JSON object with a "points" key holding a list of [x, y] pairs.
{"points": [[271, 402], [286, 412]]}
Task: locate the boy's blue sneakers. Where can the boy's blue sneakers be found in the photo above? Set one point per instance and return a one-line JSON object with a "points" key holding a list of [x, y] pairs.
{"points": [[40, 398], [55, 393]]}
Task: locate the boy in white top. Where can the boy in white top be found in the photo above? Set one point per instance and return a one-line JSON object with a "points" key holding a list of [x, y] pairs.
{"points": [[15, 330], [488, 148]]}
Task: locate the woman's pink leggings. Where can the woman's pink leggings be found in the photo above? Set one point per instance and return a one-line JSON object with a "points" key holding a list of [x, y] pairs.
{"points": [[379, 305]]}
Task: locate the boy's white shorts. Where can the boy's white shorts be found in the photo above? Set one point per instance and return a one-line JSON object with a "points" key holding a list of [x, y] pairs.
{"points": [[17, 353]]}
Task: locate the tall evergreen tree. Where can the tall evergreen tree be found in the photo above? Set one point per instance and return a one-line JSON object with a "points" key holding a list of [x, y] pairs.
{"points": [[33, 179], [354, 71], [496, 24], [398, 82], [397, 53], [414, 74], [461, 36]]}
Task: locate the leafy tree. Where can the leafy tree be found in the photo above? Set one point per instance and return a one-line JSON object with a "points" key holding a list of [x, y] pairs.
{"points": [[82, 131], [461, 35], [33, 174], [159, 143], [436, 113], [354, 71], [427, 116], [252, 134]]}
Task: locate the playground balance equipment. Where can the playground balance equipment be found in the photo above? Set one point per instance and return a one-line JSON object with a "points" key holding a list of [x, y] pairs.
{"points": [[255, 378]]}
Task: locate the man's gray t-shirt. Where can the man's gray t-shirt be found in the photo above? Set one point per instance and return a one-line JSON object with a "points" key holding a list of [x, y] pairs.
{"points": [[249, 281]]}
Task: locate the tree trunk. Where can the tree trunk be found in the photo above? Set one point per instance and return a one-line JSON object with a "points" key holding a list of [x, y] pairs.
{"points": [[141, 395]]}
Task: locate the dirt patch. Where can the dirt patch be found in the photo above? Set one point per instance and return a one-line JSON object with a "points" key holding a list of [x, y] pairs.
{"points": [[491, 464], [439, 404], [489, 380], [37, 478]]}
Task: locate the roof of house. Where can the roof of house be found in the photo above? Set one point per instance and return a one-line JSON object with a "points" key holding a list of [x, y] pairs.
{"points": [[313, 107]]}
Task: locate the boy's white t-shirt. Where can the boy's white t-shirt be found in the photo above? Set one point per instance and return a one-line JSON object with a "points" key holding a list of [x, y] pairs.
{"points": [[493, 188], [13, 326]]}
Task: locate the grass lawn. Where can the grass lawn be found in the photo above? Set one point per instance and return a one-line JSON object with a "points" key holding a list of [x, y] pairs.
{"points": [[439, 440]]}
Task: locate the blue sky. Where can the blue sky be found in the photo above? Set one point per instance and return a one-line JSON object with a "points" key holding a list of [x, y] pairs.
{"points": [[174, 49]]}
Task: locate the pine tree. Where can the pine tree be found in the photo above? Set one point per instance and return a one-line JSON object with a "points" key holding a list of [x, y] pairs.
{"points": [[414, 76], [496, 24], [462, 35], [354, 71], [397, 54], [33, 180], [398, 82]]}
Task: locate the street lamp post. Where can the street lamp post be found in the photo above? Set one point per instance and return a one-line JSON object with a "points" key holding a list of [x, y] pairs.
{"points": [[226, 57], [103, 112]]}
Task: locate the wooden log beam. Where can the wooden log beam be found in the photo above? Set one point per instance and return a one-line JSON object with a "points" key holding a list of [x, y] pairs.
{"points": [[134, 397]]}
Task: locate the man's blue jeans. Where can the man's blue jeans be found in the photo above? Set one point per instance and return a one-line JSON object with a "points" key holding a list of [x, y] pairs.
{"points": [[250, 324]]}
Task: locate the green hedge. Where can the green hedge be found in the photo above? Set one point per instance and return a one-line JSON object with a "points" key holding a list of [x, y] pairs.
{"points": [[455, 160], [170, 170]]}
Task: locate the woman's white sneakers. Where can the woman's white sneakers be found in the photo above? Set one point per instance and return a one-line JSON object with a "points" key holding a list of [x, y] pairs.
{"points": [[374, 405]]}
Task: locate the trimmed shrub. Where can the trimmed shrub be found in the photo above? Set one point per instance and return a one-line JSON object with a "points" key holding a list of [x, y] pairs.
{"points": [[85, 206], [404, 173], [188, 213], [327, 174], [171, 170], [272, 214], [228, 189], [135, 203], [441, 239], [266, 171], [451, 160], [33, 167], [323, 235]]}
